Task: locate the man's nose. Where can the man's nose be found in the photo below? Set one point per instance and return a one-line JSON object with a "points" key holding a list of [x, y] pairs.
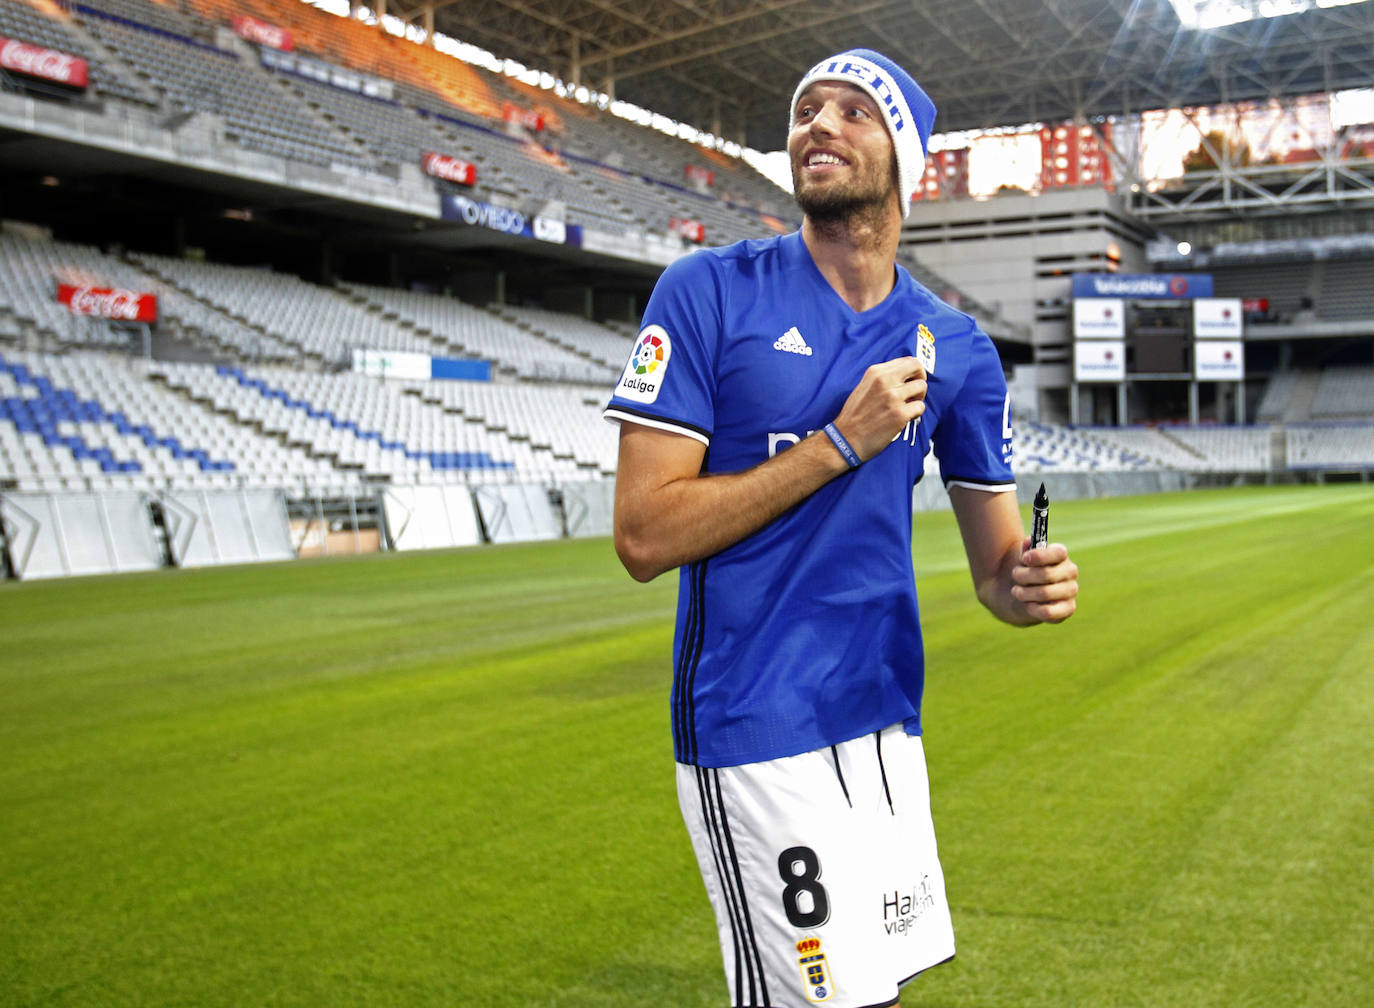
{"points": [[827, 119]]}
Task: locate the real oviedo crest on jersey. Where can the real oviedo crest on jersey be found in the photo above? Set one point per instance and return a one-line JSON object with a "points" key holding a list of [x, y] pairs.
{"points": [[648, 364], [925, 348]]}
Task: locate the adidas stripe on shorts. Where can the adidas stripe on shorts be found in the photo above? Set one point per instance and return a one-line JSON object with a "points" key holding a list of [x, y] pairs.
{"points": [[823, 872]]}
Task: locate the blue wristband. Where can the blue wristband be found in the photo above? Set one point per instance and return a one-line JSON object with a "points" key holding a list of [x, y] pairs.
{"points": [[842, 446]]}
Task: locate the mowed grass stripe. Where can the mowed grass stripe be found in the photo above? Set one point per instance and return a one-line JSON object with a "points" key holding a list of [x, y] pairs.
{"points": [[441, 778], [350, 840], [1089, 812]]}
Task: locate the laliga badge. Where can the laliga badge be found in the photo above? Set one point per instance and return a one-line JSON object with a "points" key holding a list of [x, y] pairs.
{"points": [[925, 348], [643, 377]]}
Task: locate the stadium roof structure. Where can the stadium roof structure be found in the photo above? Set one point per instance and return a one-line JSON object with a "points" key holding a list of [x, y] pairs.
{"points": [[730, 65]]}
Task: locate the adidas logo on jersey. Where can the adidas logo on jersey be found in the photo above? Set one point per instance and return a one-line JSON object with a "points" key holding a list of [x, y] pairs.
{"points": [[792, 342]]}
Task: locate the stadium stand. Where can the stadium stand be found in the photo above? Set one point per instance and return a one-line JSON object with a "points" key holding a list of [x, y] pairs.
{"points": [[605, 346], [1329, 289], [243, 381], [1330, 446], [1048, 448], [357, 424], [1346, 292], [315, 321], [467, 331], [1278, 393], [50, 25], [1180, 447], [31, 269], [1336, 392], [610, 174], [1286, 286], [198, 77], [565, 421], [354, 102], [303, 426], [1344, 392], [1223, 448], [88, 421]]}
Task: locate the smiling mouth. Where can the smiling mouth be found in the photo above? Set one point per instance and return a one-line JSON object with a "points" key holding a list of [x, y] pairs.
{"points": [[821, 159]]}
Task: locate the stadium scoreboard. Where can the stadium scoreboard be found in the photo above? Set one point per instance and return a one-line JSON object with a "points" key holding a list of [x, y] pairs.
{"points": [[1165, 328]]}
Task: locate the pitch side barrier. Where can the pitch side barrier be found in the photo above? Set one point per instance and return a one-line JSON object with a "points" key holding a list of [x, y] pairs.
{"points": [[433, 517], [66, 534], [930, 494], [48, 535]]}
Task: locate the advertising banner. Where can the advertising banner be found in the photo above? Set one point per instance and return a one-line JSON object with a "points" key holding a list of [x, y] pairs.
{"points": [[487, 215], [451, 169], [1217, 318], [527, 118], [455, 207], [430, 517], [417, 366], [1219, 360], [327, 73], [44, 63], [109, 302], [460, 370], [549, 229], [696, 173], [1099, 318], [693, 231], [1099, 361], [1141, 286], [392, 364], [262, 33]]}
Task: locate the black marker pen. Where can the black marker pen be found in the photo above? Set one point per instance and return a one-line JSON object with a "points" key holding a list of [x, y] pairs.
{"points": [[1040, 518]]}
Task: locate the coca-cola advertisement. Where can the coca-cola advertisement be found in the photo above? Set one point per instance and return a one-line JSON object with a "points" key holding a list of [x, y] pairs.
{"points": [[117, 303], [698, 174], [262, 33], [451, 169], [692, 230], [46, 64], [527, 118]]}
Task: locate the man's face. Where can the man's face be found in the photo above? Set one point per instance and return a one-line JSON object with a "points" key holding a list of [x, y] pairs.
{"points": [[841, 152]]}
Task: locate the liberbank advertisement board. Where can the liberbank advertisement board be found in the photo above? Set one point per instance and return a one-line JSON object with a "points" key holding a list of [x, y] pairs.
{"points": [[1143, 286], [1099, 318], [1099, 361], [1219, 360]]}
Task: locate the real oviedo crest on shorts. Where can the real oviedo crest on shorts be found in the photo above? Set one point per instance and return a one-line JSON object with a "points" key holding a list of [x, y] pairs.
{"points": [[648, 364], [815, 970]]}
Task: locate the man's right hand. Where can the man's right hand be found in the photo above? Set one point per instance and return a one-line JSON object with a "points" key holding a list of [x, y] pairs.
{"points": [[888, 397], [667, 512]]}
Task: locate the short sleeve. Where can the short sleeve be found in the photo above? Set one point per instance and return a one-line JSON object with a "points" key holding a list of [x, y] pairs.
{"points": [[669, 380], [973, 440]]}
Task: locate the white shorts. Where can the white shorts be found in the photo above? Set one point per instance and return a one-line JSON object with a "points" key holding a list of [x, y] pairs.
{"points": [[823, 872]]}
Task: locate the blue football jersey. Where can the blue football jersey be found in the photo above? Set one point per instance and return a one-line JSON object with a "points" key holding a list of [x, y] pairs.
{"points": [[806, 633]]}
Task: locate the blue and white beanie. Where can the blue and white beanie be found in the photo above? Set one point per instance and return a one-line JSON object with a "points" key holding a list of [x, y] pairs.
{"points": [[910, 113]]}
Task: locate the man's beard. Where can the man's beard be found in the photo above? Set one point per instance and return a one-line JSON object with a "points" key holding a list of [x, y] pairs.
{"points": [[832, 206]]}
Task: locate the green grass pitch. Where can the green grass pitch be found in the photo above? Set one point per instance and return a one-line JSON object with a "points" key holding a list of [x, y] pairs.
{"points": [[445, 778]]}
